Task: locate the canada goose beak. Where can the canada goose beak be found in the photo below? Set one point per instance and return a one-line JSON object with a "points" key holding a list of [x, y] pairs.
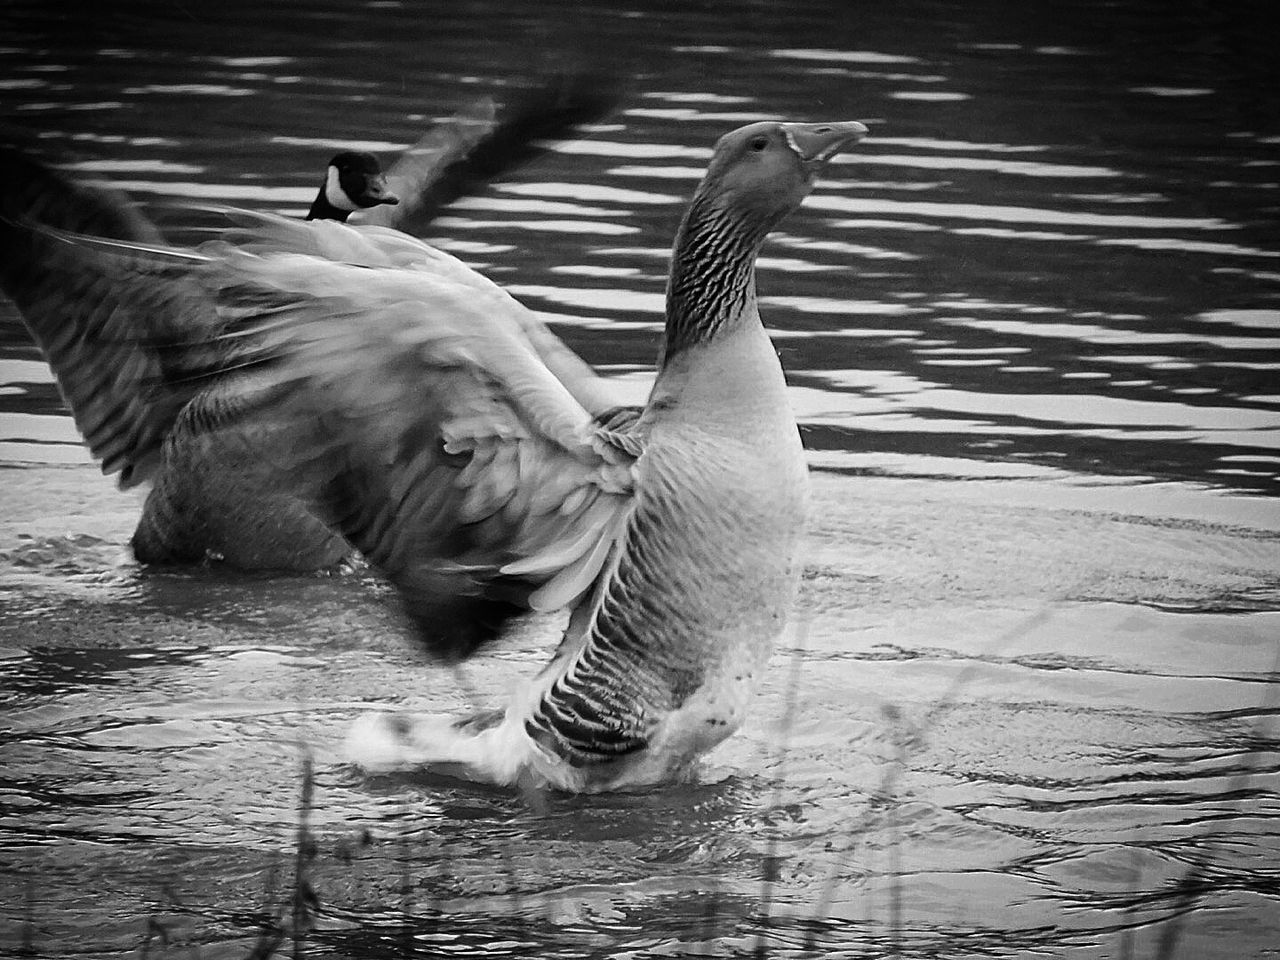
{"points": [[376, 192], [816, 143]]}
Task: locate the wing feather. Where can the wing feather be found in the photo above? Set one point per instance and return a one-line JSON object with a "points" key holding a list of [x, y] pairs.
{"points": [[434, 437], [109, 339], [121, 328], [403, 395], [479, 143], [421, 176]]}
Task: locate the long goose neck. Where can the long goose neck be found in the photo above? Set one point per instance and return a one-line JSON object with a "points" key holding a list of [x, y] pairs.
{"points": [[712, 285], [322, 209]]}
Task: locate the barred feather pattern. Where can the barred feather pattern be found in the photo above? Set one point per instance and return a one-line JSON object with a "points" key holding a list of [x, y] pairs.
{"points": [[704, 578], [712, 274]]}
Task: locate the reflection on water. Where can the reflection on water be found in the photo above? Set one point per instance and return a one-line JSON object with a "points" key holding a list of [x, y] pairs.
{"points": [[1032, 328]]}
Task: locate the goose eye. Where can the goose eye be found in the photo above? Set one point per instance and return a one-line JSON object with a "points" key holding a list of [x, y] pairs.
{"points": [[759, 143]]}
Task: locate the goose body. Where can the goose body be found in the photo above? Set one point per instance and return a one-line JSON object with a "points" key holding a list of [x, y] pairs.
{"points": [[660, 663], [432, 421]]}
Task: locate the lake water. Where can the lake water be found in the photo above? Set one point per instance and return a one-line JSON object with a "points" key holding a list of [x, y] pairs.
{"points": [[1032, 326]]}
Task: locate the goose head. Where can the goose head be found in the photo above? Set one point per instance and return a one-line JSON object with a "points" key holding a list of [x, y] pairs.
{"points": [[354, 181], [757, 175], [761, 172]]}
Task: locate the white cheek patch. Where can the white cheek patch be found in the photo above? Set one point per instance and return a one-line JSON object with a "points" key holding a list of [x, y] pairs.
{"points": [[334, 193]]}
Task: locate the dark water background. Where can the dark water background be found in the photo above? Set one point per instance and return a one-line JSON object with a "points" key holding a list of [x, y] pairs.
{"points": [[1033, 329]]}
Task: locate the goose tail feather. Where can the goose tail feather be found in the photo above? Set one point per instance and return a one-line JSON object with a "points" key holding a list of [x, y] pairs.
{"points": [[486, 747]]}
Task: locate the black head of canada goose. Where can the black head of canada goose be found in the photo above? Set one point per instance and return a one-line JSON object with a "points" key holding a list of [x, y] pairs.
{"points": [[353, 181], [430, 419]]}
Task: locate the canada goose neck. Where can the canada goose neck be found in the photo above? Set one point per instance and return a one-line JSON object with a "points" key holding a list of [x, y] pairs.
{"points": [[712, 283], [322, 209]]}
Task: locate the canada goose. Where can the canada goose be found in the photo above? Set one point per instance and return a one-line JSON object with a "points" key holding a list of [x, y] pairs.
{"points": [[211, 497], [353, 181]]}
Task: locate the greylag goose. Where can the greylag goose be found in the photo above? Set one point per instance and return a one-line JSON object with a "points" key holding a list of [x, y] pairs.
{"points": [[211, 498], [433, 421]]}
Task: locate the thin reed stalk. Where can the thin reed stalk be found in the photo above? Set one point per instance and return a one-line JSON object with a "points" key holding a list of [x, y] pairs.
{"points": [[769, 869]]}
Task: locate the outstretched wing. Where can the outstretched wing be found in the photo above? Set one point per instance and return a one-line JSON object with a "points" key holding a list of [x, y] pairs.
{"points": [[480, 143], [428, 431], [375, 246], [417, 411], [103, 322], [431, 173]]}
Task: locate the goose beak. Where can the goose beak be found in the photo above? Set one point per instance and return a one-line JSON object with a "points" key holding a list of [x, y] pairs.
{"points": [[376, 192], [816, 143]]}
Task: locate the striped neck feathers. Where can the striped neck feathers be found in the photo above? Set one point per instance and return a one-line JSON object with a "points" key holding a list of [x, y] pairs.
{"points": [[712, 284]]}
